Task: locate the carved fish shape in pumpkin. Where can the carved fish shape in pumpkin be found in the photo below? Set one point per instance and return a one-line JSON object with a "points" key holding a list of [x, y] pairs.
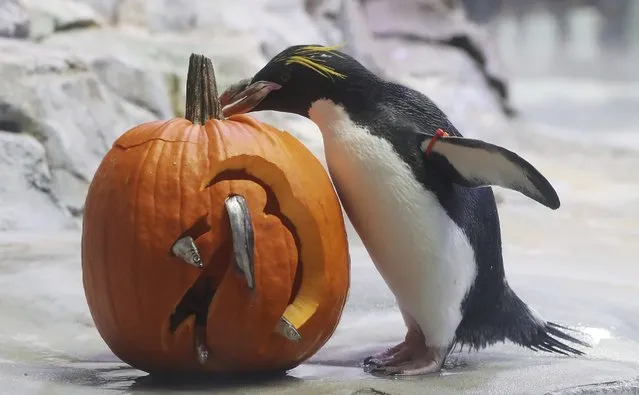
{"points": [[213, 244]]}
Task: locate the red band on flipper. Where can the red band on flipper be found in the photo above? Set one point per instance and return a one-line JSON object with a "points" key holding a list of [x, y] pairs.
{"points": [[438, 133]]}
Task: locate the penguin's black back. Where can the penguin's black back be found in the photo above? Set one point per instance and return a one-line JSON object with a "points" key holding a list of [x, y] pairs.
{"points": [[491, 310]]}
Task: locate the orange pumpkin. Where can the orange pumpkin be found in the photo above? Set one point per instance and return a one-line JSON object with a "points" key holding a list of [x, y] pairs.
{"points": [[213, 244]]}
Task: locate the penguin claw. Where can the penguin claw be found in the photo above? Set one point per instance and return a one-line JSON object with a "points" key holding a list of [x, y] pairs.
{"points": [[370, 364], [379, 367], [370, 361], [383, 357]]}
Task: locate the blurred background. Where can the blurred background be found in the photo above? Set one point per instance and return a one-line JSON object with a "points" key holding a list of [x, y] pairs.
{"points": [[583, 54], [577, 38], [557, 81]]}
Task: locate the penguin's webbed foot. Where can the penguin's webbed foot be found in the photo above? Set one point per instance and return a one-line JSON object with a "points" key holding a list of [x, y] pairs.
{"points": [[409, 361]]}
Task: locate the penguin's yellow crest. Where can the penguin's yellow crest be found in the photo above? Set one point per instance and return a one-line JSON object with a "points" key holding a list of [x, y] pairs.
{"points": [[310, 56]]}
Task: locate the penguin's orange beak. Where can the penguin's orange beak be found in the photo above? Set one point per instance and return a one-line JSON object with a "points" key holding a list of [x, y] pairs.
{"points": [[243, 96]]}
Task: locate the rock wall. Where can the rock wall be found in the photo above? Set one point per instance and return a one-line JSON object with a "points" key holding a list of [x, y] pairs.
{"points": [[75, 74]]}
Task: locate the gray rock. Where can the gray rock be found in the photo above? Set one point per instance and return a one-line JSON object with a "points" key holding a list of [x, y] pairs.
{"points": [[352, 22], [284, 23], [174, 15], [50, 16], [274, 24], [181, 15], [161, 15], [401, 27], [142, 87], [14, 20], [327, 15], [234, 55], [56, 98], [106, 8], [327, 27], [26, 198]]}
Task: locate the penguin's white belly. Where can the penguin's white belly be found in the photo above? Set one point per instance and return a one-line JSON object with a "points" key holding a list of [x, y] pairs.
{"points": [[423, 256]]}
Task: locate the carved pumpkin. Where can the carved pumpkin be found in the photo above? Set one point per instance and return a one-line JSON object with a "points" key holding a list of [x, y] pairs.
{"points": [[213, 244]]}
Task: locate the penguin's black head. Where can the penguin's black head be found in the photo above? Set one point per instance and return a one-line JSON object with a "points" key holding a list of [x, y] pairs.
{"points": [[298, 76]]}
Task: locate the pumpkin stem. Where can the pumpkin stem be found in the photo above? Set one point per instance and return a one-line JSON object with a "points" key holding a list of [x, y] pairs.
{"points": [[202, 102]]}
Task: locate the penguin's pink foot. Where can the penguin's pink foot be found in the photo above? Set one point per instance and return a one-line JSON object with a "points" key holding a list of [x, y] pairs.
{"points": [[376, 358], [397, 354], [410, 357], [410, 361], [401, 352]]}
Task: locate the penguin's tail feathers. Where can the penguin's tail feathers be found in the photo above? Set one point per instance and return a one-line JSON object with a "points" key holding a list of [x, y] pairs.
{"points": [[517, 322], [528, 329], [545, 339]]}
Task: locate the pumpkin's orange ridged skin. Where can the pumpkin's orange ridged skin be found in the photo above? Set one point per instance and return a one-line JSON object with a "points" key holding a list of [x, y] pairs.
{"points": [[151, 188]]}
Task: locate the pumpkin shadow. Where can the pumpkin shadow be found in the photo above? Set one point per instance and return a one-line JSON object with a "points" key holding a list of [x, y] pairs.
{"points": [[210, 382]]}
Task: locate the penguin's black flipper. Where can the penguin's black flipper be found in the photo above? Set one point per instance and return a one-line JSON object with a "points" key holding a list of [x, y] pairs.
{"points": [[475, 163]]}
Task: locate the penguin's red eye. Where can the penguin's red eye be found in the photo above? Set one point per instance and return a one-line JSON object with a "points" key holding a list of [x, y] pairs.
{"points": [[285, 76]]}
